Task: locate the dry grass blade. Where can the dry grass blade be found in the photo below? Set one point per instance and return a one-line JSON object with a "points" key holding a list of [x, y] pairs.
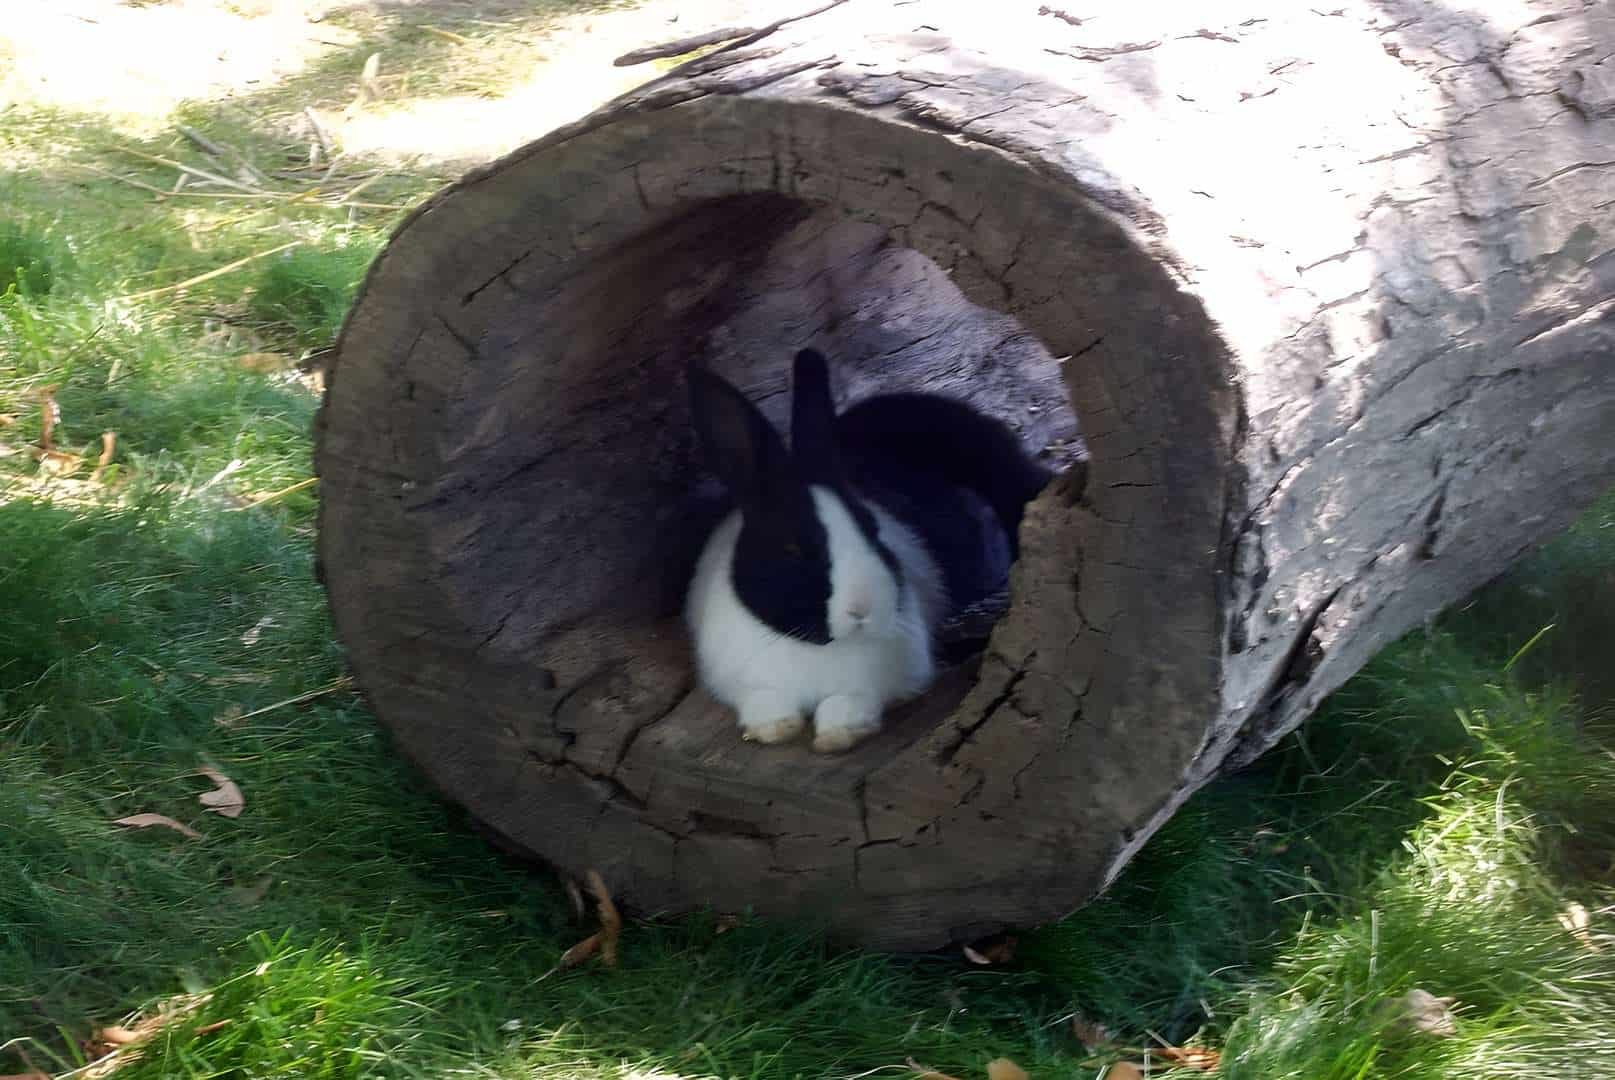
{"points": [[281, 494], [265, 363], [610, 919], [447, 35], [180, 286], [146, 821], [298, 700]]}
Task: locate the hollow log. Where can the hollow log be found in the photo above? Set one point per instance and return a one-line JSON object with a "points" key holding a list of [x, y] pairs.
{"points": [[1314, 308]]}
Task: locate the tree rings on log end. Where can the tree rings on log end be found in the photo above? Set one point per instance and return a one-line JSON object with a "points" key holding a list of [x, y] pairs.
{"points": [[513, 503]]}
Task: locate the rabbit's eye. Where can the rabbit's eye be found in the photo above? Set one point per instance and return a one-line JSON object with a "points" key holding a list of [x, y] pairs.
{"points": [[793, 549]]}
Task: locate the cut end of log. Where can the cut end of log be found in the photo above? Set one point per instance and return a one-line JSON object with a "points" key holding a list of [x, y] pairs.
{"points": [[510, 581]]}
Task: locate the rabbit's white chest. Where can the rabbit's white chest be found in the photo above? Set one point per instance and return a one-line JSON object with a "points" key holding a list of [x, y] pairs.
{"points": [[738, 654]]}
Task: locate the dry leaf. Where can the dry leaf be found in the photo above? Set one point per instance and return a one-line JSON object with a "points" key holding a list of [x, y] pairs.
{"points": [[265, 363], [229, 716], [1575, 921], [50, 414], [56, 462], [578, 953], [1091, 1033], [252, 894], [1123, 1070], [6, 420], [610, 920], [208, 1029], [226, 799], [109, 443], [369, 82], [1189, 1057], [1420, 1010], [116, 1036], [145, 821], [251, 636], [927, 1074], [725, 924], [1005, 1069], [998, 949]]}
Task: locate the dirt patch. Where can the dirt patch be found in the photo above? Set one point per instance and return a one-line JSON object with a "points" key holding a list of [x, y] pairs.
{"points": [[502, 72]]}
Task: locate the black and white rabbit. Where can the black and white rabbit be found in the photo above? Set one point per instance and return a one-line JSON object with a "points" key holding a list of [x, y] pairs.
{"points": [[822, 590]]}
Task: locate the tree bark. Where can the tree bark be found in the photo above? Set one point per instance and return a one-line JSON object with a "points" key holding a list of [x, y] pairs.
{"points": [[1331, 294]]}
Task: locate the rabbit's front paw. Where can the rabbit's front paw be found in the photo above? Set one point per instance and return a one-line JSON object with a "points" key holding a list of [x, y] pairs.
{"points": [[842, 721], [767, 717]]}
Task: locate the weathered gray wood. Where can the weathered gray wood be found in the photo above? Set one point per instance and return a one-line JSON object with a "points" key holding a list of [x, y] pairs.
{"points": [[1331, 292]]}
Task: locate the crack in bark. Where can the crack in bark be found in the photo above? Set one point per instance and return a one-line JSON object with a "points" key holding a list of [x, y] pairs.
{"points": [[523, 257]]}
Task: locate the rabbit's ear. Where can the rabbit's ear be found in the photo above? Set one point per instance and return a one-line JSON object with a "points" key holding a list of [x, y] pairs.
{"points": [[740, 444], [813, 419]]}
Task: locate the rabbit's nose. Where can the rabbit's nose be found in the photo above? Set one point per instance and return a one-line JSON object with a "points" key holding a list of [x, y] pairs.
{"points": [[858, 610]]}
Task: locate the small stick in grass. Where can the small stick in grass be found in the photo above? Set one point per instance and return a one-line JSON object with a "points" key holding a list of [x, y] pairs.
{"points": [[142, 185], [282, 493], [202, 174], [298, 700], [180, 286]]}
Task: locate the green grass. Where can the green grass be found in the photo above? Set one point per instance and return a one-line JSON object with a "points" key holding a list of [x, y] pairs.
{"points": [[1426, 830], [26, 266], [304, 293]]}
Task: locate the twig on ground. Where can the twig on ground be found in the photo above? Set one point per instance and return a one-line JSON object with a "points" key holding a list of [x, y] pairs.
{"points": [[180, 286], [203, 143], [680, 46], [319, 132], [194, 171], [223, 154]]}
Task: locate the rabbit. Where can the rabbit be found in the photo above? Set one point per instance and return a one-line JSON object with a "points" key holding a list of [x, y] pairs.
{"points": [[821, 592]]}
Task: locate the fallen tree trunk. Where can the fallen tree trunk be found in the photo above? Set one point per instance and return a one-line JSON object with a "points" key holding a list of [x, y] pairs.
{"points": [[1331, 296]]}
